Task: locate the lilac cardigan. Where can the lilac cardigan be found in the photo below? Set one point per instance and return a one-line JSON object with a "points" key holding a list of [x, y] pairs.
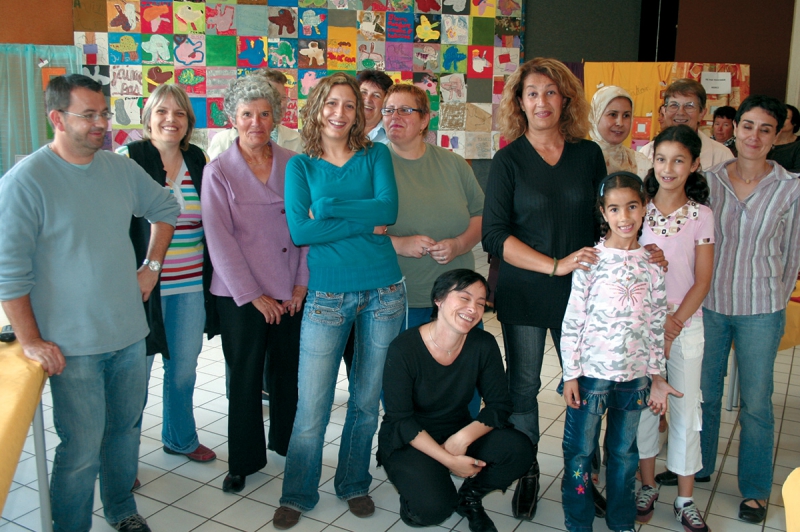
{"points": [[245, 226]]}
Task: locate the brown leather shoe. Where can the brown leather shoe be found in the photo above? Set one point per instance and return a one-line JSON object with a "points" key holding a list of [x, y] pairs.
{"points": [[361, 506], [285, 518]]}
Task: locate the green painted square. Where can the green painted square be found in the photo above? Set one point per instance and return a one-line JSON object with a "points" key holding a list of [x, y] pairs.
{"points": [[220, 50], [481, 31]]}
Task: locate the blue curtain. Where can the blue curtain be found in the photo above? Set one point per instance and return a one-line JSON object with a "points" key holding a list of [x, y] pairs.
{"points": [[23, 124]]}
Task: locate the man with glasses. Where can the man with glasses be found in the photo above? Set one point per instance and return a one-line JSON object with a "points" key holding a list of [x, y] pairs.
{"points": [[685, 103], [70, 287]]}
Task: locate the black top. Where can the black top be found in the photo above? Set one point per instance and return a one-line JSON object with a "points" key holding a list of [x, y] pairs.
{"points": [[549, 208], [421, 394], [787, 155]]}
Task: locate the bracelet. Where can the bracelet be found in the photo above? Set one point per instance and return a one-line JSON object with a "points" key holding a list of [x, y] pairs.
{"points": [[555, 266]]}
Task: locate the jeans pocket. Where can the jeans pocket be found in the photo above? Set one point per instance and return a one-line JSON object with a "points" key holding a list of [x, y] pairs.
{"points": [[631, 396], [594, 395], [325, 308], [392, 302]]}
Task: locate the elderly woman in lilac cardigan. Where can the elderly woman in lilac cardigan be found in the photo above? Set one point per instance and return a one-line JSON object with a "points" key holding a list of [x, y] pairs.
{"points": [[260, 277]]}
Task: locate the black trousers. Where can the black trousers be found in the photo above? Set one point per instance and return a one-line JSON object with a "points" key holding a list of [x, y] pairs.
{"points": [[427, 493], [246, 340]]}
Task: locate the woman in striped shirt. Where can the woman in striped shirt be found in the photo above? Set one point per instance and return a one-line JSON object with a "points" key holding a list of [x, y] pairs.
{"points": [[176, 309], [756, 259]]}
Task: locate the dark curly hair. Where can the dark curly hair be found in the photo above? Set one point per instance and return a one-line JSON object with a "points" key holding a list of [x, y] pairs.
{"points": [[612, 182], [696, 186]]}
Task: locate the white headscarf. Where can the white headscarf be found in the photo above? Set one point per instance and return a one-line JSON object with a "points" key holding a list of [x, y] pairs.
{"points": [[618, 157]]}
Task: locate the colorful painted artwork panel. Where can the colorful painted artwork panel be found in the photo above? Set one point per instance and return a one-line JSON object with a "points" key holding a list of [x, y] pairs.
{"points": [[220, 19], [156, 17], [192, 79], [459, 52]]}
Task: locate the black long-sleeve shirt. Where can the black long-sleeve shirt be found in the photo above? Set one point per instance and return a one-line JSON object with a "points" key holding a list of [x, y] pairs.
{"points": [[421, 394], [549, 208]]}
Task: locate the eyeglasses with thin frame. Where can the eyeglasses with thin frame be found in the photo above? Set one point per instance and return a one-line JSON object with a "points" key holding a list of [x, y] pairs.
{"points": [[688, 107], [402, 111], [91, 117]]}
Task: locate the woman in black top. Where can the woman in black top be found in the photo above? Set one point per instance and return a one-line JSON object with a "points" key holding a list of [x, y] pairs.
{"points": [[429, 379], [539, 219]]}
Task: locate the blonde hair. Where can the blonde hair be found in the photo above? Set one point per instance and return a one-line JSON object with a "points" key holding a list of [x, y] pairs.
{"points": [[420, 99], [574, 120], [181, 98], [311, 115]]}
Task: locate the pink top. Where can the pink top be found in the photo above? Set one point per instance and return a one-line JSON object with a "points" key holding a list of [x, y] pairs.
{"points": [[677, 235], [614, 325]]}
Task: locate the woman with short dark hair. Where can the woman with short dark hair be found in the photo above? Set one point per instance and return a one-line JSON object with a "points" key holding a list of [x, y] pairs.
{"points": [[428, 432], [756, 260]]}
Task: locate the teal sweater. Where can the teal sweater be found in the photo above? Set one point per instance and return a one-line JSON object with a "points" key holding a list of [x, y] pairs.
{"points": [[347, 203]]}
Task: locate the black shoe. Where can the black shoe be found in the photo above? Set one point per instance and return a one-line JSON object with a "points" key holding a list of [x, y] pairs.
{"points": [[471, 507], [667, 478], [132, 523], [407, 519], [233, 483], [703, 479], [526, 494], [750, 514], [599, 502]]}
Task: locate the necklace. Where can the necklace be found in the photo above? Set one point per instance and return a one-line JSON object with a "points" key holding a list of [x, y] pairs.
{"points": [[267, 157], [748, 181], [430, 335]]}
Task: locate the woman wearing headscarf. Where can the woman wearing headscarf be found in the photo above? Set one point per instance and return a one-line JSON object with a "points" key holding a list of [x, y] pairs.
{"points": [[610, 120]]}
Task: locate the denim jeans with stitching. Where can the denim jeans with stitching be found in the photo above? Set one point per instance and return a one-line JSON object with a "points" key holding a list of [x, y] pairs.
{"points": [[327, 319], [184, 322], [755, 340], [525, 347], [624, 401], [97, 412]]}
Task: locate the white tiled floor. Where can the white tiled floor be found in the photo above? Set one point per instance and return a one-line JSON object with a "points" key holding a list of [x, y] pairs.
{"points": [[178, 495]]}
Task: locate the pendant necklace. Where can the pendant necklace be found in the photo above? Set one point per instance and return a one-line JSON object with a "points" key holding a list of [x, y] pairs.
{"points": [[430, 335]]}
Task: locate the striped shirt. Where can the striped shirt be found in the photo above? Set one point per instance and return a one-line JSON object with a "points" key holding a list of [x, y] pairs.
{"points": [[757, 252], [183, 266]]}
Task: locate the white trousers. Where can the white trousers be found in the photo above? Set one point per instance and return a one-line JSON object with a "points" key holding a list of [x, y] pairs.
{"points": [[685, 413]]}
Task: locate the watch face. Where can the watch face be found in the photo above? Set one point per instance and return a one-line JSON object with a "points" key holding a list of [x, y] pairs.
{"points": [[154, 265]]}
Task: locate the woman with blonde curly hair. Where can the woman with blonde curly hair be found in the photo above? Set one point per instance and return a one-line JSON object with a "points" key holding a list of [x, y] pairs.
{"points": [[340, 196], [538, 219]]}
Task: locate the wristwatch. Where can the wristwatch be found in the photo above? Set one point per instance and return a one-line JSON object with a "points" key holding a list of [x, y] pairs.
{"points": [[154, 265]]}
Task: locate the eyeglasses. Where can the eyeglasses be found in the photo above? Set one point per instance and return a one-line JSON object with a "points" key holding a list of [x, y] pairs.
{"points": [[688, 107], [402, 111], [91, 117]]}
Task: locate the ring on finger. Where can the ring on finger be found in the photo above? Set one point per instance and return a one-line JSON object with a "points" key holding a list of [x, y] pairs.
{"points": [[576, 258]]}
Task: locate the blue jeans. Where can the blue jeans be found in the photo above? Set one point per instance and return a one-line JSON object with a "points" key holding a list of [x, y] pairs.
{"points": [[525, 347], [755, 339], [97, 410], [624, 401], [327, 320], [184, 321]]}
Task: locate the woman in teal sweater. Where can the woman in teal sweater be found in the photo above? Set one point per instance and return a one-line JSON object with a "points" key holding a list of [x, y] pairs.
{"points": [[340, 196]]}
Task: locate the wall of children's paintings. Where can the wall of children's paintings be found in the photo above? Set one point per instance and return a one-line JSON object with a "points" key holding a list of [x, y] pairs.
{"points": [[458, 51]]}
